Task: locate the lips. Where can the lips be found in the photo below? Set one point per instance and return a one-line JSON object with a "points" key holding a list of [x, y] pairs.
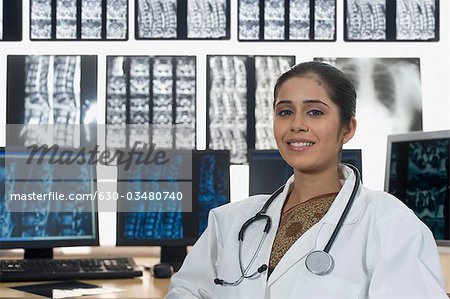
{"points": [[299, 145]]}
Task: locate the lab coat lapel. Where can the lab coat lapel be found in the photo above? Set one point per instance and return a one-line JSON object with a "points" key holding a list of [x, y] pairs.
{"points": [[274, 212], [298, 251], [319, 234]]}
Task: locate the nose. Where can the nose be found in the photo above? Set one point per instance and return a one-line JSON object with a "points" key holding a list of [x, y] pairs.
{"points": [[298, 124]]}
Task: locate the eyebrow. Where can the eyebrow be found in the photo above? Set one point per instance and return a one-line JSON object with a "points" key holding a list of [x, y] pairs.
{"points": [[311, 101]]}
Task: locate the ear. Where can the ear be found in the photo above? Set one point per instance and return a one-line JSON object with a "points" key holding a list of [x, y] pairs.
{"points": [[349, 130]]}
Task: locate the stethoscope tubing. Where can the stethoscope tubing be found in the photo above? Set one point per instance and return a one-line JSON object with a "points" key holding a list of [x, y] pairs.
{"points": [[321, 254]]}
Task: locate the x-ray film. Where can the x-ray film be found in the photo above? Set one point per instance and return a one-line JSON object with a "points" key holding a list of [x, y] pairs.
{"points": [[41, 19], [416, 19], [274, 20], [51, 89], [155, 97], [239, 102], [1, 19], [397, 20], [183, 19], [249, 20], [268, 69], [296, 20], [324, 20], [157, 19], [79, 20]]}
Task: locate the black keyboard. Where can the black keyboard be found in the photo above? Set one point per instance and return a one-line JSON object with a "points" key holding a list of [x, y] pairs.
{"points": [[61, 269]]}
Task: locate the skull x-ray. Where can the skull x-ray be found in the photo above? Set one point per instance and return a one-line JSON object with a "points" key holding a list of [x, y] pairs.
{"points": [[79, 20], [154, 97], [202, 19], [236, 105], [51, 90], [391, 20], [271, 25]]}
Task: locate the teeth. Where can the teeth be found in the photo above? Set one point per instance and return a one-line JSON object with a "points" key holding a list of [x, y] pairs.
{"points": [[300, 144]]}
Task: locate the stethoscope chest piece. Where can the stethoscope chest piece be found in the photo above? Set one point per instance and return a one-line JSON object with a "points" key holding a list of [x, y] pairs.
{"points": [[319, 262]]}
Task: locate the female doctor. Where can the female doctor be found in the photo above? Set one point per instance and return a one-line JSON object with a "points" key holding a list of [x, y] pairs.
{"points": [[322, 235]]}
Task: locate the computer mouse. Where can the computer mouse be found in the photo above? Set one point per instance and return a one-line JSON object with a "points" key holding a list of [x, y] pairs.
{"points": [[162, 270]]}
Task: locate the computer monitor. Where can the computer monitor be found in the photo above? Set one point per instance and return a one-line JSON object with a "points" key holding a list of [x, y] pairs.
{"points": [[172, 230], [33, 215], [268, 170], [417, 172]]}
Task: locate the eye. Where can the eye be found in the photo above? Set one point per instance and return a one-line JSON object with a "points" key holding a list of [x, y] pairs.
{"points": [[284, 112], [314, 112]]}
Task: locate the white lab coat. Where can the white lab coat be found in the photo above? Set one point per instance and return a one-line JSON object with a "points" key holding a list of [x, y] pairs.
{"points": [[382, 251]]}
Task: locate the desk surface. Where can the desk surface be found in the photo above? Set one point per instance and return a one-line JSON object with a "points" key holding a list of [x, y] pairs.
{"points": [[148, 286], [140, 287]]}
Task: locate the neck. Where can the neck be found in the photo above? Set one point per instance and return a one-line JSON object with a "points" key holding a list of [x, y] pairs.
{"points": [[309, 185]]}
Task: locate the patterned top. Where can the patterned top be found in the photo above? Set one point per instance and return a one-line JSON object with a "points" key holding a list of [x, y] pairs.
{"points": [[295, 222]]}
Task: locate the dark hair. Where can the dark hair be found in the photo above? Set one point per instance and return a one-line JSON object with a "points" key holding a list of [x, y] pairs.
{"points": [[339, 87]]}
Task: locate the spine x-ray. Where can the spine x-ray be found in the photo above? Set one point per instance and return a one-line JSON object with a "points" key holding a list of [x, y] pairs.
{"points": [[154, 97], [79, 19], [391, 20], [239, 99], [182, 19], [55, 90], [10, 20], [299, 20]]}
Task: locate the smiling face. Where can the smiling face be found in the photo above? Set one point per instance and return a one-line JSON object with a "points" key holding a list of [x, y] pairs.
{"points": [[307, 126]]}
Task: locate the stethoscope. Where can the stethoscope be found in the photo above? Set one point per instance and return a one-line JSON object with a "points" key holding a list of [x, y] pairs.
{"points": [[318, 262]]}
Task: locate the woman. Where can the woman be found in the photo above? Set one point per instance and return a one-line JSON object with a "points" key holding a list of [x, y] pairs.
{"points": [[381, 251]]}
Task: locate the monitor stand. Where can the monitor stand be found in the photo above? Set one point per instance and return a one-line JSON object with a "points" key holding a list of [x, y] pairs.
{"points": [[38, 253], [173, 255]]}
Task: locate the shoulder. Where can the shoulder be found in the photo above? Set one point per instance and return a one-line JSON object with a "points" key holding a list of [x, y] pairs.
{"points": [[387, 210], [249, 206]]}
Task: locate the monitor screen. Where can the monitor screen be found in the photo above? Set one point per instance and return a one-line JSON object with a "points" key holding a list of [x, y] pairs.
{"points": [[169, 227], [40, 205], [265, 163], [417, 172]]}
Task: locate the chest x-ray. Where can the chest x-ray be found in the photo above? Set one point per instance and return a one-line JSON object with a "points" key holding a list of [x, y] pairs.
{"points": [[389, 101]]}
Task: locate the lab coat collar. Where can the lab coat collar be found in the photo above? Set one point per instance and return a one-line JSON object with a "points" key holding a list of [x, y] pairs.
{"points": [[338, 205], [315, 236]]}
